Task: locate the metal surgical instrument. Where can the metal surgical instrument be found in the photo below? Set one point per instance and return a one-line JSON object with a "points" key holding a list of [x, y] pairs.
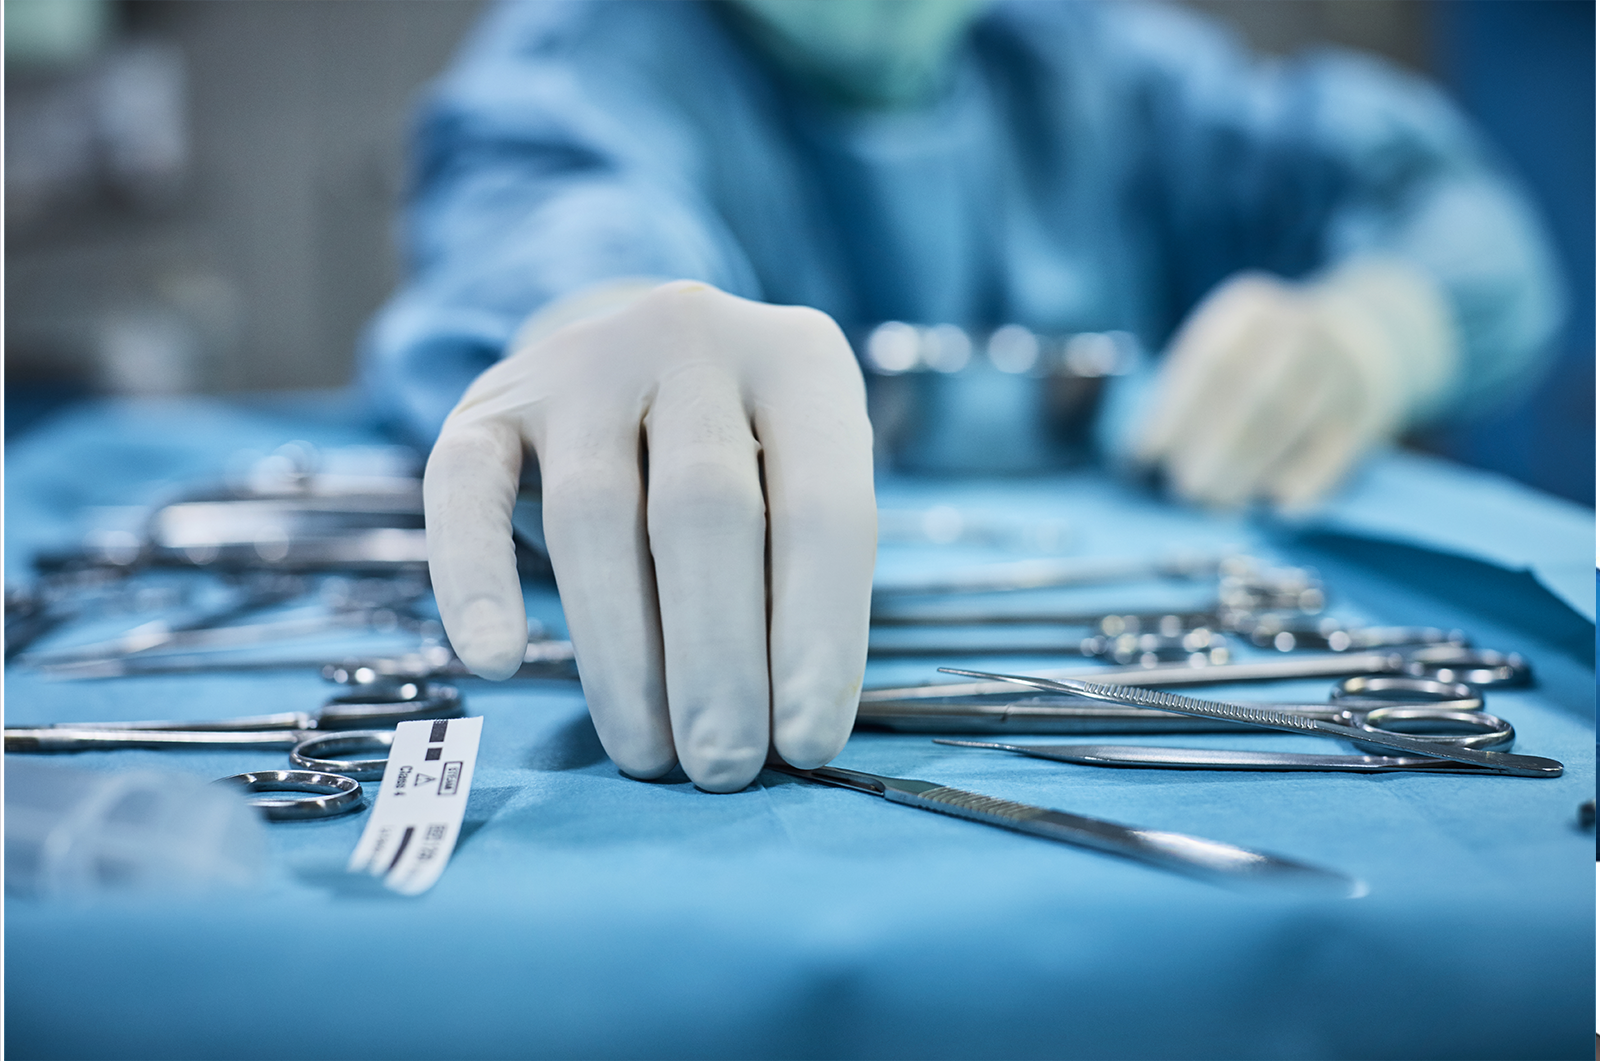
{"points": [[1455, 706], [384, 705], [307, 749], [1268, 718], [330, 794], [164, 641], [542, 659], [1446, 662], [1220, 759], [311, 739], [1178, 851], [1043, 574]]}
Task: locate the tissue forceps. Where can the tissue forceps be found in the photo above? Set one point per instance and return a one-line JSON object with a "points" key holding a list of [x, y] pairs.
{"points": [[1178, 851], [1455, 705], [1267, 717], [1442, 662]]}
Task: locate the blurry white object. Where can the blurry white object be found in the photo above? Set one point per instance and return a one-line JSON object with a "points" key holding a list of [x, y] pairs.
{"points": [[948, 525], [149, 350], [1273, 390], [50, 33], [116, 128], [74, 833]]}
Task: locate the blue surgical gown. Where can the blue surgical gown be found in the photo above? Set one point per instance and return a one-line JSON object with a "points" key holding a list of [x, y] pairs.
{"points": [[1088, 167]]}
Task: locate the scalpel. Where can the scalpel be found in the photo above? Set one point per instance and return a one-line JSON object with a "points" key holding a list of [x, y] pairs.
{"points": [[1177, 851]]}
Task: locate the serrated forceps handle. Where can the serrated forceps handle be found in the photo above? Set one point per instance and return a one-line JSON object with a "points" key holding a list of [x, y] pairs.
{"points": [[1500, 762]]}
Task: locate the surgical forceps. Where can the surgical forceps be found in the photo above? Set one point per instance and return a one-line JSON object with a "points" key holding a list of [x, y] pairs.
{"points": [[1268, 716], [1396, 700], [1443, 662], [1178, 851]]}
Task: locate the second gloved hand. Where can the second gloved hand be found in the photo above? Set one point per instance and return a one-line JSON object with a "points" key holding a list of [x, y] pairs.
{"points": [[708, 506], [1273, 390]]}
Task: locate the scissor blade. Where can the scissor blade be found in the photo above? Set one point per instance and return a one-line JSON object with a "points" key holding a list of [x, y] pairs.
{"points": [[1267, 718], [1175, 851], [1222, 759]]}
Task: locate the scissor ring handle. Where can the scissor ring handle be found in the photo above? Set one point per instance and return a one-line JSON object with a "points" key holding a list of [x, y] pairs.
{"points": [[1389, 688], [330, 794], [1475, 666], [1485, 731], [388, 701], [310, 754]]}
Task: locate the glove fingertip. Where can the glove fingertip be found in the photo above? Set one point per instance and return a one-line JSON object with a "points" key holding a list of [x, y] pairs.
{"points": [[808, 742], [490, 639]]}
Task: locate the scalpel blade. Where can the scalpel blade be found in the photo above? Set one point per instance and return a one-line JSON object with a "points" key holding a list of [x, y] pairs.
{"points": [[1176, 851]]}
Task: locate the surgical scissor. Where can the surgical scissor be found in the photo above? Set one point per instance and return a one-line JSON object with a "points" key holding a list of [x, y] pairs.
{"points": [[1268, 716], [311, 739], [307, 748], [328, 794], [378, 704]]}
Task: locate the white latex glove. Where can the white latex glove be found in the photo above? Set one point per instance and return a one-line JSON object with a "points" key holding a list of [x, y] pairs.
{"points": [[1273, 390], [718, 601]]}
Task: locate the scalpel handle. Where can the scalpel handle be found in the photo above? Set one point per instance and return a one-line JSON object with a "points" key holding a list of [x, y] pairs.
{"points": [[1189, 854]]}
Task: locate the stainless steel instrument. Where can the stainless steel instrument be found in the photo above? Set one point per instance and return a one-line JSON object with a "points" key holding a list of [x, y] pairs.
{"points": [[1446, 705], [1444, 662], [1133, 755], [1268, 718], [1175, 851]]}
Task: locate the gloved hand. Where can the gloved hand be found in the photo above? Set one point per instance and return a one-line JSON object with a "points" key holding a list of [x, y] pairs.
{"points": [[708, 507], [1273, 389]]}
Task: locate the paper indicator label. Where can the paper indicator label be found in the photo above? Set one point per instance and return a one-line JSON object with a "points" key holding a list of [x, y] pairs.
{"points": [[421, 800]]}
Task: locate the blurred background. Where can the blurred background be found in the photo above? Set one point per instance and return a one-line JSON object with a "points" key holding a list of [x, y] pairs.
{"points": [[200, 197]]}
